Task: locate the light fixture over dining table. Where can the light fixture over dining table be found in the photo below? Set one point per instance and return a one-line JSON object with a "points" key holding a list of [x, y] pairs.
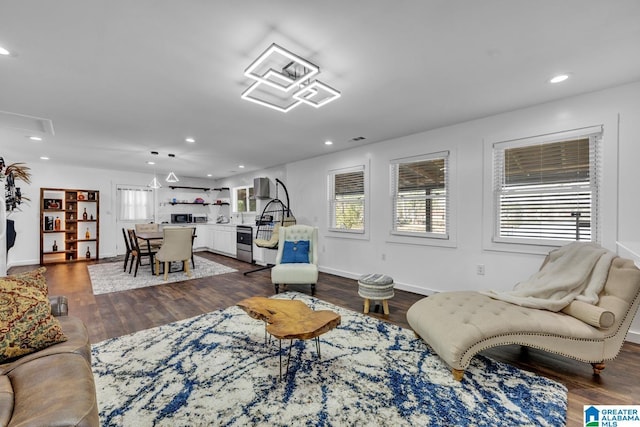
{"points": [[172, 176]]}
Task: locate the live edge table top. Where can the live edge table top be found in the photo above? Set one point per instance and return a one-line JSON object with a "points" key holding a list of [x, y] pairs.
{"points": [[290, 319]]}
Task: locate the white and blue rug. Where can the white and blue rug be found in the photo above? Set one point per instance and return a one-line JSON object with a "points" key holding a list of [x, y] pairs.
{"points": [[107, 277], [215, 369]]}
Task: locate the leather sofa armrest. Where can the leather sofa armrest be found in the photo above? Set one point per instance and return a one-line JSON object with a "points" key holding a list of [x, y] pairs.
{"points": [[59, 305]]}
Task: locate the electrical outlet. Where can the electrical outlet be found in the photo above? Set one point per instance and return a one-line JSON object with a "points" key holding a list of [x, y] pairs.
{"points": [[384, 257], [480, 269]]}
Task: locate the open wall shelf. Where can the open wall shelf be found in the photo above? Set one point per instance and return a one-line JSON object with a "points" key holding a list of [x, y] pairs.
{"points": [[173, 187]]}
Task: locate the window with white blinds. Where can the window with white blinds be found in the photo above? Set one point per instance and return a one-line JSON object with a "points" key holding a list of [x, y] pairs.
{"points": [[347, 196], [546, 191], [135, 203], [420, 195]]}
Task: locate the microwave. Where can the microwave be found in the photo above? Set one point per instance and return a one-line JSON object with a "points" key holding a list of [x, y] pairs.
{"points": [[181, 218], [200, 218]]}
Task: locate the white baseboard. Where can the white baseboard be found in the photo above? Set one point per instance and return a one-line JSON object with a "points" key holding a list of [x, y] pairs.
{"points": [[633, 336], [402, 286], [23, 262]]}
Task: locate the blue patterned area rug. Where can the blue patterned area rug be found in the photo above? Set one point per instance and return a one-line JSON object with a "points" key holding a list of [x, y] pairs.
{"points": [[215, 369]]}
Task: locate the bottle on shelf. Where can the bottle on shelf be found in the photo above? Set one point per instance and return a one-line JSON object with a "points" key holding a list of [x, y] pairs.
{"points": [[91, 218], [87, 235], [84, 214], [56, 224], [71, 216], [88, 253], [55, 246]]}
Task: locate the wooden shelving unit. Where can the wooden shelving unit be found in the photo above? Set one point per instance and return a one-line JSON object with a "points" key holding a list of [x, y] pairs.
{"points": [[69, 225]]}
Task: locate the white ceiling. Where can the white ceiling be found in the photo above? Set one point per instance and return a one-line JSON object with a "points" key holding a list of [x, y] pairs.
{"points": [[120, 78]]}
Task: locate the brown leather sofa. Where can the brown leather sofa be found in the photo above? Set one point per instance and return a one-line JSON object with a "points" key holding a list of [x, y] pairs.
{"points": [[53, 386]]}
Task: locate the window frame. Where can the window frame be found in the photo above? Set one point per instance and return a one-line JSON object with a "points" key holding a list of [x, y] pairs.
{"points": [[394, 169], [331, 200], [249, 199], [150, 208], [492, 206]]}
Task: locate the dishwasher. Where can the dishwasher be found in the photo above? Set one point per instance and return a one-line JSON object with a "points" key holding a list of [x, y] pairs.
{"points": [[244, 243]]}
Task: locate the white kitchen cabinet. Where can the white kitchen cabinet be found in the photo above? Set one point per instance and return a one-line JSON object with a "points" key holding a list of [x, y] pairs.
{"points": [[223, 238], [203, 237]]}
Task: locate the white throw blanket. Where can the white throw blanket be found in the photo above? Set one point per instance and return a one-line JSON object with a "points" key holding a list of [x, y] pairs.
{"points": [[575, 271]]}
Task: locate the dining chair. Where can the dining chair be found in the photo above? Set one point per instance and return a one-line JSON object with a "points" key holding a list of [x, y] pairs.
{"points": [[177, 245], [138, 252], [127, 246], [148, 228]]}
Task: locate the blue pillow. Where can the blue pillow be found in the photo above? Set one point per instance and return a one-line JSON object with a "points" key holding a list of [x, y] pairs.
{"points": [[295, 252]]}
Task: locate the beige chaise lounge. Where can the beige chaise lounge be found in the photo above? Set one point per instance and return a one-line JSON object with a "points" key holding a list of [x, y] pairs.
{"points": [[458, 325]]}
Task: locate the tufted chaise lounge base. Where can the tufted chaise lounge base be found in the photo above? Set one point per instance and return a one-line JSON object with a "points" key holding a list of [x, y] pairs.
{"points": [[459, 325]]}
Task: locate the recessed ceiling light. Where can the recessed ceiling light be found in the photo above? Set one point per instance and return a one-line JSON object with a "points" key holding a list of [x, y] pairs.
{"points": [[4, 51], [559, 78], [209, 175], [35, 138], [190, 140], [241, 166], [44, 158], [328, 143], [151, 163]]}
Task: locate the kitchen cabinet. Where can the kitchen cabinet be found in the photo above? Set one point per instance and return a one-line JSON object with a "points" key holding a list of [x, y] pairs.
{"points": [[203, 237], [223, 239]]}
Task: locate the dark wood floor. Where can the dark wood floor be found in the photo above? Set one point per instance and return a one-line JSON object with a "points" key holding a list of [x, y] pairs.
{"points": [[116, 314]]}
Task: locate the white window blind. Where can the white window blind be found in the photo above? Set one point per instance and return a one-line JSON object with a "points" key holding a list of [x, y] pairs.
{"points": [[420, 195], [135, 203], [547, 191], [347, 200]]}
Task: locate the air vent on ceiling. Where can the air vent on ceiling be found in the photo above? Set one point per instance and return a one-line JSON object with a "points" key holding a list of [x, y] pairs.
{"points": [[357, 138], [26, 123]]}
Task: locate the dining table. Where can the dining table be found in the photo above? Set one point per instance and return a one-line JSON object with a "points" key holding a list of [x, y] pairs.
{"points": [[156, 237]]}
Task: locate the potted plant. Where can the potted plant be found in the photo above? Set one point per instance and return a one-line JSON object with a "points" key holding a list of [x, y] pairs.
{"points": [[13, 172]]}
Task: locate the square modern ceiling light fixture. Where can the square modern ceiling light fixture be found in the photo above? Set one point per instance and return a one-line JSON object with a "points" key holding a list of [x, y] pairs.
{"points": [[282, 81]]}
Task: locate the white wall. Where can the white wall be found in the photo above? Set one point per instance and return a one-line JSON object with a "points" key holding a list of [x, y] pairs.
{"points": [[425, 269]]}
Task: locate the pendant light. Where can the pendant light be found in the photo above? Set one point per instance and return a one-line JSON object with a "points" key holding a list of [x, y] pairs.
{"points": [[172, 176], [155, 184]]}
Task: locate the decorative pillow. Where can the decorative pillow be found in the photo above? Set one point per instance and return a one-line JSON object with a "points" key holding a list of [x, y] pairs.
{"points": [[26, 323], [33, 278], [295, 252], [590, 314]]}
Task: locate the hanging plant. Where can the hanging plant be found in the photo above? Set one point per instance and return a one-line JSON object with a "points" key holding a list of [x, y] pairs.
{"points": [[13, 172]]}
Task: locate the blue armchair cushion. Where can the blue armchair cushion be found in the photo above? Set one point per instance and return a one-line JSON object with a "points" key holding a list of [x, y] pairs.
{"points": [[295, 252]]}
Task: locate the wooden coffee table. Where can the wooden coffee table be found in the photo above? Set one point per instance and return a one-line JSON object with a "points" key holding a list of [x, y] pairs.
{"points": [[290, 319]]}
